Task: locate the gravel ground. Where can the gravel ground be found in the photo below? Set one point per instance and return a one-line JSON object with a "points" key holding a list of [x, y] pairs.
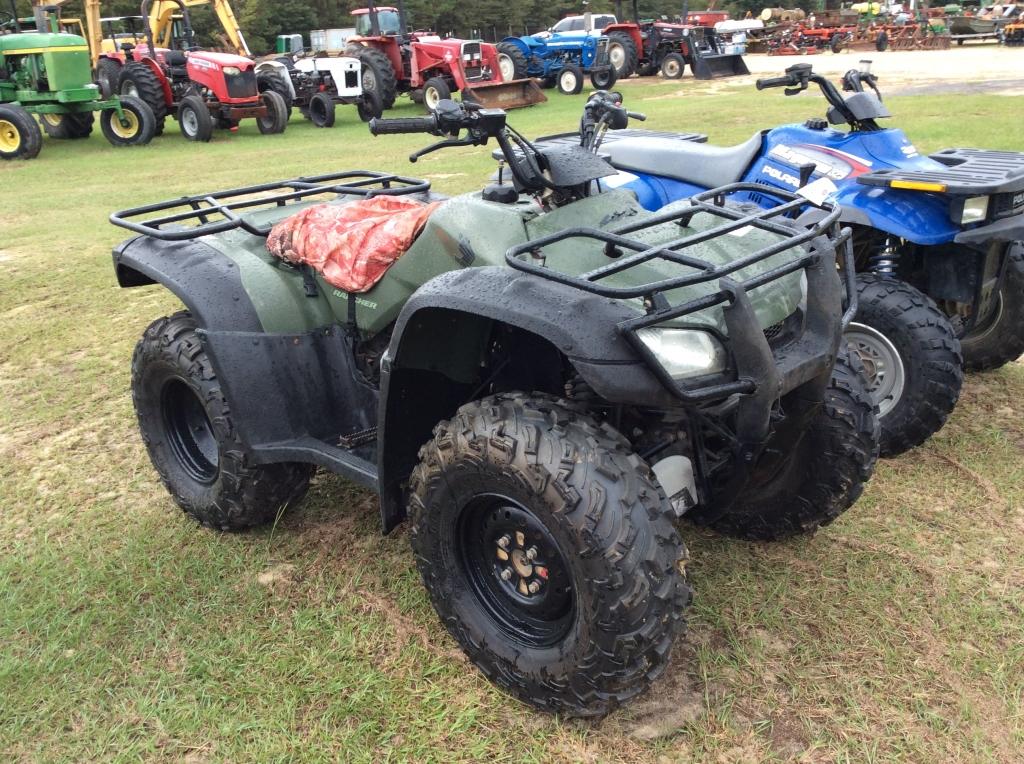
{"points": [[975, 67]]}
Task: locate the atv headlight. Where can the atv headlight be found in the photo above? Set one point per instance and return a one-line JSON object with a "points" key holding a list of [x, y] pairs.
{"points": [[684, 352], [971, 210], [231, 71]]}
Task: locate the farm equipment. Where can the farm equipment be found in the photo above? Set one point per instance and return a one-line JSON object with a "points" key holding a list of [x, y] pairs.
{"points": [[429, 68], [47, 74], [558, 60], [988, 24], [1013, 33], [540, 379], [113, 41], [316, 85], [939, 240], [200, 89], [647, 47]]}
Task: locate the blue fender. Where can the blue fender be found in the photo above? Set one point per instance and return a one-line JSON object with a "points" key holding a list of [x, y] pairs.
{"points": [[918, 217], [527, 45]]}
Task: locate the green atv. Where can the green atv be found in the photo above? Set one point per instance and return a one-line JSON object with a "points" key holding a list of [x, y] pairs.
{"points": [[543, 383], [48, 74]]}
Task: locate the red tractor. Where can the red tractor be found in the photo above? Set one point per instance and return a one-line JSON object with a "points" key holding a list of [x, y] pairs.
{"points": [[647, 47], [200, 89], [428, 67]]}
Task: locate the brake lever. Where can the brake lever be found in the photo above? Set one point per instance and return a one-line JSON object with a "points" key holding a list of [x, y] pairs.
{"points": [[445, 144]]}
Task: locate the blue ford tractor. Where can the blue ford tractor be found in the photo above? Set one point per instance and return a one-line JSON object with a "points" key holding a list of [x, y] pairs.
{"points": [[559, 60]]}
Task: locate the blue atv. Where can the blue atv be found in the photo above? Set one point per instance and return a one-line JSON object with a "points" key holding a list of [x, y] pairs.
{"points": [[938, 240], [558, 60]]}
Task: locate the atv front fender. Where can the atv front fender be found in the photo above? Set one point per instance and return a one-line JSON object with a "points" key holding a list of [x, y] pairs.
{"points": [[434, 358], [918, 217]]}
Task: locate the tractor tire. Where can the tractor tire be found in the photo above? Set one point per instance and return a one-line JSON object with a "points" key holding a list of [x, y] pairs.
{"points": [[673, 66], [187, 428], [138, 129], [108, 75], [378, 74], [511, 61], [272, 80], [142, 82], [277, 114], [604, 80], [622, 54], [569, 80], [435, 90], [194, 119], [68, 127], [1001, 339], [321, 110], [549, 553], [824, 475], [837, 42], [369, 106], [20, 136], [882, 42], [912, 359]]}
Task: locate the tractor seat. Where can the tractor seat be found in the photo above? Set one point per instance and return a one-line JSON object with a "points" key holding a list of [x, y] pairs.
{"points": [[698, 163], [175, 58]]}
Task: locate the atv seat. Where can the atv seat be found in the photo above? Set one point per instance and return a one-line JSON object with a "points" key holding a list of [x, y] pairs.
{"points": [[698, 163]]}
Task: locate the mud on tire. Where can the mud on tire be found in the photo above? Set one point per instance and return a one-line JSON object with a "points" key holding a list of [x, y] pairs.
{"points": [[187, 428], [605, 537], [825, 473]]}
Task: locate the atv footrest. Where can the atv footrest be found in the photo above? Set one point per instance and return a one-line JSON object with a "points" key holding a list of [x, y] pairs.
{"points": [[192, 216], [967, 172], [351, 466]]}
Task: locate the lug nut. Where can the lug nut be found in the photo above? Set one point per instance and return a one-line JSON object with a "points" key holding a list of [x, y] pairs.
{"points": [[506, 574], [531, 553], [504, 541], [534, 587]]}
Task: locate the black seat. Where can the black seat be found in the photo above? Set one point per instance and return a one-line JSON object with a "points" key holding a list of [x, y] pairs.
{"points": [[698, 163], [175, 58]]}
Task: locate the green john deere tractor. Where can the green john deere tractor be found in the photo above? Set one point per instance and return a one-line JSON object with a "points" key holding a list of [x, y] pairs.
{"points": [[48, 74]]}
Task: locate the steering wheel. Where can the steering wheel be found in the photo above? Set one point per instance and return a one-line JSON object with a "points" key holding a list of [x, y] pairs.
{"points": [[6, 20]]}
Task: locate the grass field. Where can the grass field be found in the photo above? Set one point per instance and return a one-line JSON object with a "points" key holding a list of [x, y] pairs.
{"points": [[127, 633]]}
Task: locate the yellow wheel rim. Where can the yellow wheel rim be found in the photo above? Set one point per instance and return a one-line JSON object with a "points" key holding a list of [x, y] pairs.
{"points": [[52, 119], [126, 131], [10, 137]]}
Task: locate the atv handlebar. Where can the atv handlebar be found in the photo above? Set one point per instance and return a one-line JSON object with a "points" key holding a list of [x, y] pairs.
{"points": [[383, 126], [773, 82]]}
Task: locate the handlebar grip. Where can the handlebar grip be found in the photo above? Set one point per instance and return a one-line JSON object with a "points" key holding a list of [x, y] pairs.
{"points": [[637, 116], [773, 82], [383, 126]]}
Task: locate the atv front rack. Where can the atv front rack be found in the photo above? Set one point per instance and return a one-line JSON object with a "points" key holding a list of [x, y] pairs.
{"points": [[627, 253], [192, 216], [967, 172]]}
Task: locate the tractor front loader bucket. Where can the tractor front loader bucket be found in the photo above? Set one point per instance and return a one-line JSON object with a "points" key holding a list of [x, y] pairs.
{"points": [[514, 94], [709, 66]]}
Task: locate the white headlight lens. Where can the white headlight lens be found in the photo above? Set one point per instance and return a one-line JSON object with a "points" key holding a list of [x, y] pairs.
{"points": [[231, 71], [684, 352], [975, 210]]}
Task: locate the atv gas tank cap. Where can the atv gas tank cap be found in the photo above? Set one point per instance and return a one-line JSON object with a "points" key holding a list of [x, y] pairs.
{"points": [[816, 123]]}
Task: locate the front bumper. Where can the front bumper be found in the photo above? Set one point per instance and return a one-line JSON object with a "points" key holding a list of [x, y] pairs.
{"points": [[759, 373]]}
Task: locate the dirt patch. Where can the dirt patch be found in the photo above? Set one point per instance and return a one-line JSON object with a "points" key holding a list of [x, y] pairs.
{"points": [[674, 703]]}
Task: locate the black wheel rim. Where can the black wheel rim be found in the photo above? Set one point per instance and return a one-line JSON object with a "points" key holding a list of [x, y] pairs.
{"points": [[189, 432], [515, 570]]}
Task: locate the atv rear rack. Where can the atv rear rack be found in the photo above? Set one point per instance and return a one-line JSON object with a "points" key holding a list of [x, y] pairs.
{"points": [[626, 253], [220, 211]]}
